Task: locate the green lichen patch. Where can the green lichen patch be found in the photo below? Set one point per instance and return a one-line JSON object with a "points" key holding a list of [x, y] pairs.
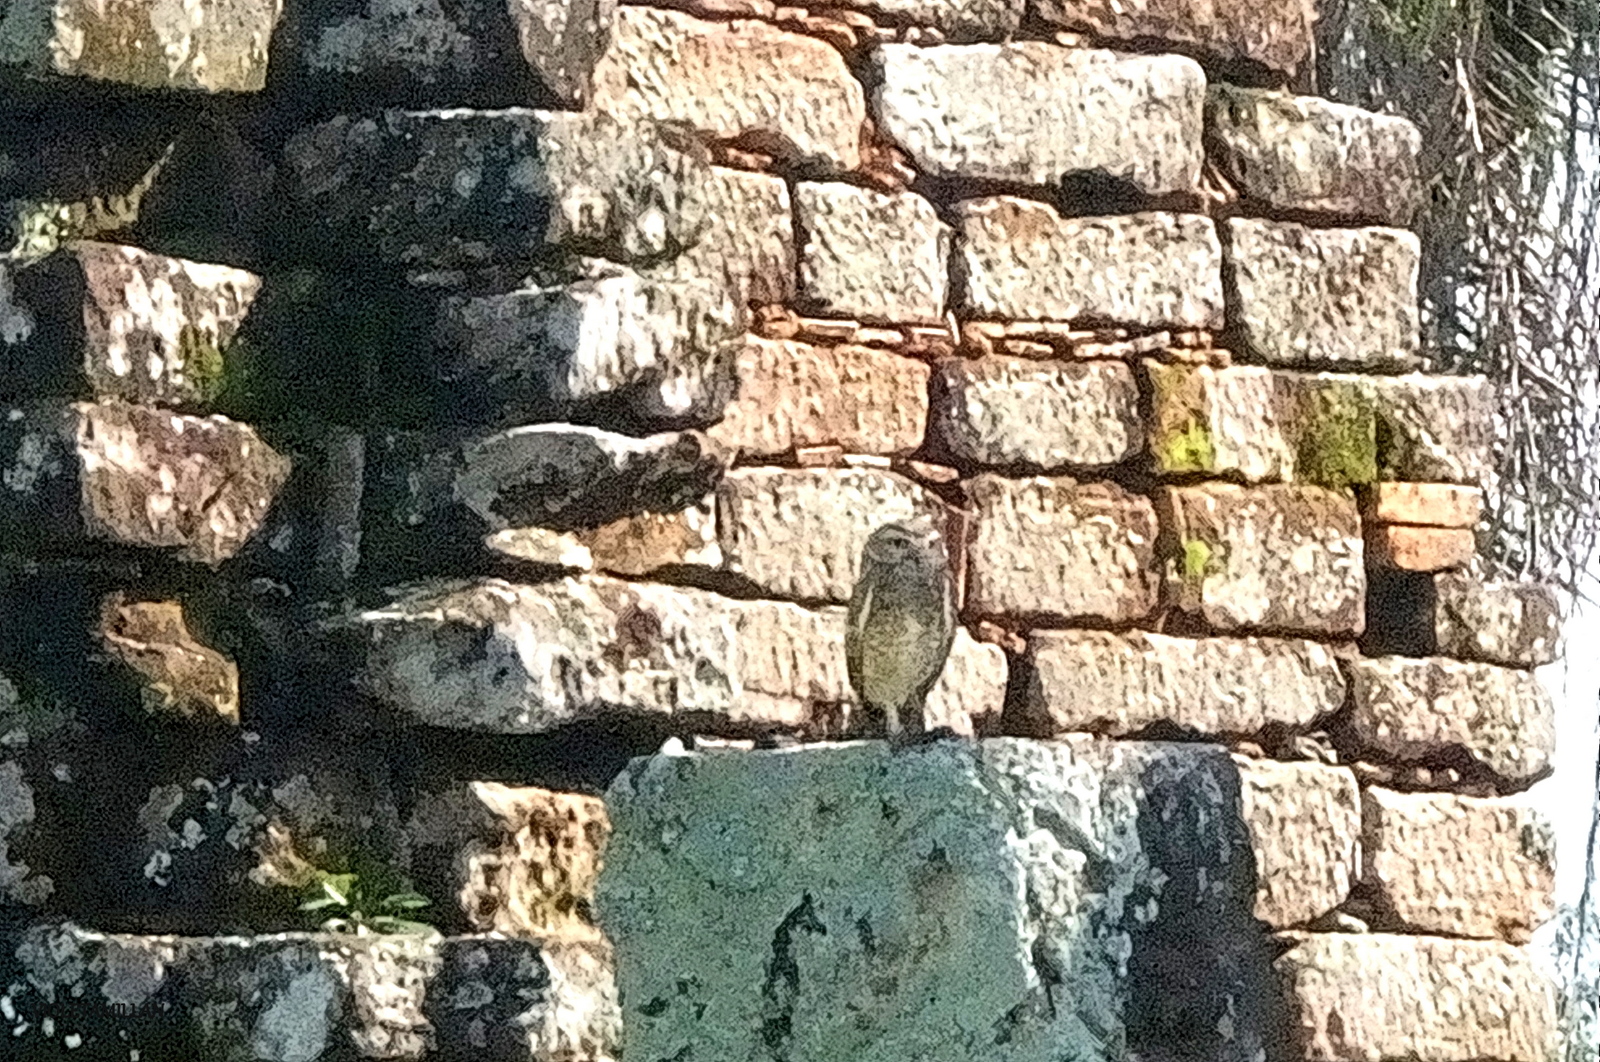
{"points": [[1188, 449], [1180, 437], [1336, 439]]}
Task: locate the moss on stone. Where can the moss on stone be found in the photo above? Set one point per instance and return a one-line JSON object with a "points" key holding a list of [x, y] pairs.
{"points": [[1196, 561], [1336, 443], [1189, 449], [203, 364]]}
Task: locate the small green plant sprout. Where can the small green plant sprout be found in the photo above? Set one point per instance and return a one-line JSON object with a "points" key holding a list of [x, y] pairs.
{"points": [[1196, 561], [358, 911]]}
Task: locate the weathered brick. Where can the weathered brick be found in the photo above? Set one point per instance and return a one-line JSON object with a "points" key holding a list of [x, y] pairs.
{"points": [[794, 395], [744, 80], [1424, 710], [1355, 997], [1034, 113], [1456, 865], [1004, 412], [798, 533], [1307, 154], [663, 351], [1121, 684], [455, 188], [1496, 622], [136, 476], [555, 653], [138, 326], [1424, 504], [1420, 549], [870, 256], [217, 46], [1262, 424], [1333, 298], [514, 860], [1022, 260], [1436, 428], [747, 244], [1280, 558], [1062, 550], [1276, 35], [1305, 829]]}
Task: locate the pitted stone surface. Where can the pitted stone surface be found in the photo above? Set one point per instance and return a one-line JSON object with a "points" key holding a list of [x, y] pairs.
{"points": [[563, 41], [1328, 298], [563, 476], [137, 476], [1305, 829], [1004, 412], [793, 394], [499, 657], [1303, 153], [1424, 504], [1033, 113], [1354, 997], [870, 256], [1496, 622], [1439, 429], [744, 80], [1277, 35], [453, 188], [747, 244], [663, 350], [1024, 261], [1120, 684], [798, 533], [1009, 884], [1053, 547], [179, 676], [1458, 866], [960, 21], [1280, 558], [296, 997], [1422, 710], [521, 861], [217, 46]]}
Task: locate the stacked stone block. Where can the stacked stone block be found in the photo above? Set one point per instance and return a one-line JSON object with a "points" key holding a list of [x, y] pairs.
{"points": [[345, 572]]}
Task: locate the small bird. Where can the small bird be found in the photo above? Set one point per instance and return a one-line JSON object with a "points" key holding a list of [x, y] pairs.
{"points": [[901, 624]]}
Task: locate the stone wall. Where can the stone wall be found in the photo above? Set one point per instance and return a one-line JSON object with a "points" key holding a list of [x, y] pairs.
{"points": [[439, 442]]}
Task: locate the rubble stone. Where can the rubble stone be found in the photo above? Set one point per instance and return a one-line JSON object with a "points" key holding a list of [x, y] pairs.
{"points": [[1121, 684], [1005, 412], [870, 256], [220, 46], [563, 476], [454, 188], [960, 22], [549, 654], [1288, 153], [1352, 997], [306, 995], [1062, 550], [1277, 558], [799, 533], [1028, 112], [784, 93], [1305, 828], [747, 245], [1456, 865], [1496, 622], [1046, 850], [1277, 36], [1425, 710], [136, 476], [1022, 260], [663, 351], [519, 861], [179, 676], [1324, 298], [794, 395]]}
